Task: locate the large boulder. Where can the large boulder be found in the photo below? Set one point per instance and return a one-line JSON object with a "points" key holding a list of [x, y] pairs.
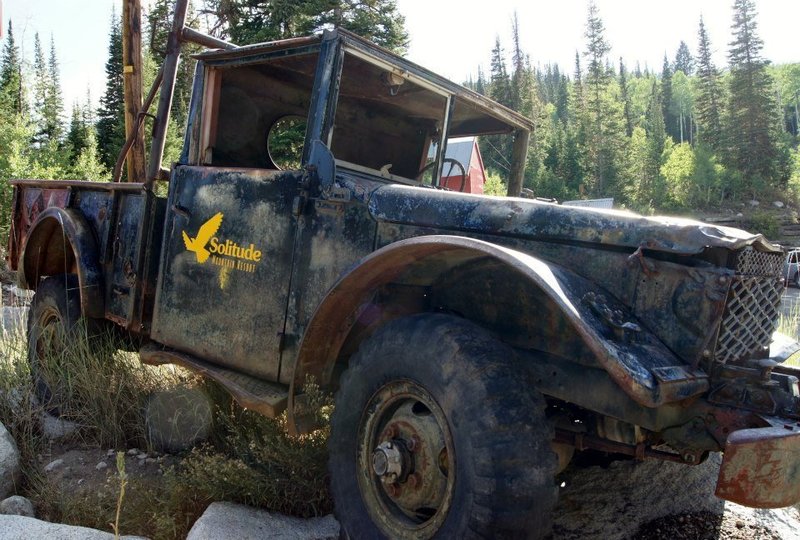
{"points": [[17, 506], [228, 520], [10, 472], [25, 528]]}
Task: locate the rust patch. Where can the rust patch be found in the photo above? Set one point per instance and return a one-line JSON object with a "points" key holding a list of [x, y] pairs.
{"points": [[761, 467]]}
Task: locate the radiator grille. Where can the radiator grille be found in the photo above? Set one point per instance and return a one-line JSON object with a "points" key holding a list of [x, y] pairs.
{"points": [[752, 308], [750, 262]]}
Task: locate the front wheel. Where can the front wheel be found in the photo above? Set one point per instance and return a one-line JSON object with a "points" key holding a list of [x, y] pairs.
{"points": [[436, 435]]}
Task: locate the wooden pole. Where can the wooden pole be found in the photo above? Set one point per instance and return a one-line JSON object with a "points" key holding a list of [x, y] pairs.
{"points": [[132, 79], [519, 156]]}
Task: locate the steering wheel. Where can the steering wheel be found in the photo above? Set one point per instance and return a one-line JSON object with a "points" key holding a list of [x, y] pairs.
{"points": [[452, 162]]}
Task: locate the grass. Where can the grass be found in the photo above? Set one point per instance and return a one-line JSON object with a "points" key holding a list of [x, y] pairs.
{"points": [[789, 324], [110, 397]]}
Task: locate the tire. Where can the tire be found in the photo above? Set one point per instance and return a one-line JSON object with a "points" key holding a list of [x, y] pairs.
{"points": [[467, 438], [53, 321]]}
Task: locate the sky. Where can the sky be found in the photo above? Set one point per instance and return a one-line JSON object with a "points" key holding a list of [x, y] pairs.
{"points": [[450, 37]]}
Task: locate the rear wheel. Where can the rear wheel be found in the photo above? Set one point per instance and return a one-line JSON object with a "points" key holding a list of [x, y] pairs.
{"points": [[53, 322], [435, 434]]}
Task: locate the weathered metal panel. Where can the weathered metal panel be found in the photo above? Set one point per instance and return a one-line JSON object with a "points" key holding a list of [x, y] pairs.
{"points": [[761, 467], [225, 272], [333, 235], [121, 278], [544, 221]]}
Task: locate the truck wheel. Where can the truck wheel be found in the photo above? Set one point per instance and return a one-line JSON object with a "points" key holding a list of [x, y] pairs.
{"points": [[52, 322], [435, 434]]}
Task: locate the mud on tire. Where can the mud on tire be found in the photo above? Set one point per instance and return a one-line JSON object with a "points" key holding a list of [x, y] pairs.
{"points": [[431, 412]]}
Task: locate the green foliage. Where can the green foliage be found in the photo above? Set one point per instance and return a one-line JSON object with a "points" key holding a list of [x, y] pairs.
{"points": [[12, 97], [246, 21], [494, 184], [710, 99], [751, 116], [111, 115], [764, 223], [678, 171]]}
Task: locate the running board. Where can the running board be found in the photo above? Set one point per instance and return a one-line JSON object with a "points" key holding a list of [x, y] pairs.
{"points": [[261, 396]]}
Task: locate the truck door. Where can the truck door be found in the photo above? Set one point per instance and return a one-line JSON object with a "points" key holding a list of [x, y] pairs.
{"points": [[224, 278]]}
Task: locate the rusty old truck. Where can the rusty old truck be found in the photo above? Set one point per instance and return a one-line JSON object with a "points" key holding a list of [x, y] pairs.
{"points": [[473, 343]]}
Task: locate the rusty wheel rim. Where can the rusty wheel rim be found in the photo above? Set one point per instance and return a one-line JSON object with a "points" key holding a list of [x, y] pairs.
{"points": [[406, 460], [49, 343]]}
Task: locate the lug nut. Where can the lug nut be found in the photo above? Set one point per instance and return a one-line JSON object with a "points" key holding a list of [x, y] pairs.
{"points": [[412, 444], [414, 480]]}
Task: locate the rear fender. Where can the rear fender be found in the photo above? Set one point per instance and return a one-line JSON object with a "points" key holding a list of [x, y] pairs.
{"points": [[61, 242], [640, 364]]}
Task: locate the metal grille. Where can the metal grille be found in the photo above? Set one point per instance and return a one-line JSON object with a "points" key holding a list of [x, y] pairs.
{"points": [[750, 262], [751, 312]]}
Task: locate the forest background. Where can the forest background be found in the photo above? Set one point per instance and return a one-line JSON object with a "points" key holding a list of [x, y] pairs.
{"points": [[686, 138]]}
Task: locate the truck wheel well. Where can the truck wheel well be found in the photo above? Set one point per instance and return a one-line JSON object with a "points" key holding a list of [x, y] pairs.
{"points": [[48, 252], [417, 275], [61, 242], [484, 291]]}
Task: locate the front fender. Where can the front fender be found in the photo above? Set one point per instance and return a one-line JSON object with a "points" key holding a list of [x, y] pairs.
{"points": [[60, 237], [638, 362]]}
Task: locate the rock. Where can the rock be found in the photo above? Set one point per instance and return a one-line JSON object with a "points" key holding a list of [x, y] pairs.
{"points": [[17, 506], [142, 456], [10, 472], [228, 520], [754, 203], [13, 320], [53, 465], [25, 528], [55, 428], [778, 204], [133, 451], [101, 466], [739, 215]]}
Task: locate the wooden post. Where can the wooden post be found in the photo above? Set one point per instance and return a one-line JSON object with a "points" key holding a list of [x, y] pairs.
{"points": [[132, 78], [519, 156]]}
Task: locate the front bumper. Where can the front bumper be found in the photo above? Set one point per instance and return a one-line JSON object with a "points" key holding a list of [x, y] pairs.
{"points": [[761, 466]]}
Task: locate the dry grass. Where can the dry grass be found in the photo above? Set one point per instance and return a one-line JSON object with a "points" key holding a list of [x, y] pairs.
{"points": [[246, 458]]}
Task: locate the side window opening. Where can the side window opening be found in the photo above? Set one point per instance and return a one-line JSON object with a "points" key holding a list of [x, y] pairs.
{"points": [[254, 115], [385, 122]]}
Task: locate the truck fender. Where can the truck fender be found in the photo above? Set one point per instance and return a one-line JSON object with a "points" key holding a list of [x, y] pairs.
{"points": [[640, 364], [61, 242]]}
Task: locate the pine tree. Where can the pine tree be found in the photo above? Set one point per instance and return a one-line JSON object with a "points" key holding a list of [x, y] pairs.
{"points": [[53, 109], [709, 99], [496, 149], [684, 60], [111, 115], [603, 130], [480, 83], [41, 86], [12, 98], [666, 99], [252, 22], [752, 110], [626, 101]]}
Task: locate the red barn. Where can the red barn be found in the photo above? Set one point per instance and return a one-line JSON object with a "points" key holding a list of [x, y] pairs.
{"points": [[465, 151]]}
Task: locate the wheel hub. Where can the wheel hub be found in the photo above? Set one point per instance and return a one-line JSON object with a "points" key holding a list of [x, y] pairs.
{"points": [[387, 461], [408, 455]]}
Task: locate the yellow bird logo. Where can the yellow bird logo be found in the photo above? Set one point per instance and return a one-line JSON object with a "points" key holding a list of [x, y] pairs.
{"points": [[198, 243]]}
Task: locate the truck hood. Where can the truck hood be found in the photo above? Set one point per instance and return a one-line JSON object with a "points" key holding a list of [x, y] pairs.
{"points": [[532, 219]]}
